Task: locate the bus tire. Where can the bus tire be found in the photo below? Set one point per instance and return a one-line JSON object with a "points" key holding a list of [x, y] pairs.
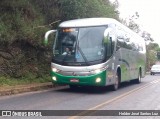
{"points": [[115, 86], [138, 80]]}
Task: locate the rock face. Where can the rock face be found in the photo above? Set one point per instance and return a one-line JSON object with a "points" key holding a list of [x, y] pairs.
{"points": [[22, 58]]}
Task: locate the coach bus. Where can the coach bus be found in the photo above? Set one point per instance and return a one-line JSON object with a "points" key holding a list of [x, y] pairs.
{"points": [[96, 52]]}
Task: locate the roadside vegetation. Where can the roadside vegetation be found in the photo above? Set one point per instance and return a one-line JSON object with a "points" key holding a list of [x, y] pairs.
{"points": [[23, 23], [152, 49], [10, 81]]}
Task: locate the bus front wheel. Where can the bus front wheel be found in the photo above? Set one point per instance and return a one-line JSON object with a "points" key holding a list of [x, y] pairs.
{"points": [[116, 84]]}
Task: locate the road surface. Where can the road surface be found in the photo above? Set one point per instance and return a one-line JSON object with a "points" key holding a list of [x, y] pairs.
{"points": [[143, 96]]}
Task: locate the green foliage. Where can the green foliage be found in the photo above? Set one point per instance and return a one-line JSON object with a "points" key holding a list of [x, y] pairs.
{"points": [[10, 81], [158, 54], [74, 9], [26, 19], [19, 20], [152, 54], [23, 24], [153, 46], [86, 8]]}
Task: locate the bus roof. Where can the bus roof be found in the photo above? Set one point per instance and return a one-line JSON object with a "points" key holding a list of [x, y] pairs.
{"points": [[84, 22], [87, 22]]}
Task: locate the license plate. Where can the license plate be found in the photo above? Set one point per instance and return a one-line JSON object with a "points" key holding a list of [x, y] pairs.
{"points": [[74, 80]]}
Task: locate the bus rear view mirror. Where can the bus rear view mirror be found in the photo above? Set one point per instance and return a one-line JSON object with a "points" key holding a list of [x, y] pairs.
{"points": [[47, 35]]}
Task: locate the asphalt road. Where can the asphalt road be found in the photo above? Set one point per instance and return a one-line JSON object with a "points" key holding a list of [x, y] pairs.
{"points": [[143, 96]]}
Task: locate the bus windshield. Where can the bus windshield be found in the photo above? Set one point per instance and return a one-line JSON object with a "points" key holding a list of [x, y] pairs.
{"points": [[79, 46]]}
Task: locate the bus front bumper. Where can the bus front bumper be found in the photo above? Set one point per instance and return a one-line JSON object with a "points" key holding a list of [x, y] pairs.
{"points": [[91, 80]]}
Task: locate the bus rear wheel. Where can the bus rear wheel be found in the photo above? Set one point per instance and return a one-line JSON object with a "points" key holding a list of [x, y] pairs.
{"points": [[138, 80]]}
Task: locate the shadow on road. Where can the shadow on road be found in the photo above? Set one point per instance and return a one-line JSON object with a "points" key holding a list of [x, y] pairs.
{"points": [[94, 89]]}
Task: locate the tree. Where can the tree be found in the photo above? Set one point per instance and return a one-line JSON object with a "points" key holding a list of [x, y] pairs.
{"points": [[23, 24], [158, 54], [86, 8], [147, 36], [152, 54], [130, 22]]}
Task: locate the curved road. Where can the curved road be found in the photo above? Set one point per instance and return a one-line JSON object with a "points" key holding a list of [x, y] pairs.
{"points": [[143, 96]]}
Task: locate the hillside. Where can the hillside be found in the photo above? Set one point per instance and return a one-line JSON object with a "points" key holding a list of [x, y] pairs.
{"points": [[23, 24]]}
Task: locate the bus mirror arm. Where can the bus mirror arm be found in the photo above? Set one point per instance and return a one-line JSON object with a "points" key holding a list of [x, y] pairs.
{"points": [[47, 35]]}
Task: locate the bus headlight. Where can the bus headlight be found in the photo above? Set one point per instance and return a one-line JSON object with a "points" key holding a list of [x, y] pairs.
{"points": [[98, 80], [54, 69], [54, 78]]}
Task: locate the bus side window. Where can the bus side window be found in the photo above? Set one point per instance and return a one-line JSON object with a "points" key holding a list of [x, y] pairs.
{"points": [[120, 39], [123, 39], [109, 42]]}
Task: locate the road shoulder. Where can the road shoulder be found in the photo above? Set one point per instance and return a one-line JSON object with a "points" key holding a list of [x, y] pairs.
{"points": [[9, 90]]}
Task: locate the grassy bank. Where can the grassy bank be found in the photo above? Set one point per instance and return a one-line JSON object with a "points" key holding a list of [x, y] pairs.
{"points": [[23, 57], [10, 81]]}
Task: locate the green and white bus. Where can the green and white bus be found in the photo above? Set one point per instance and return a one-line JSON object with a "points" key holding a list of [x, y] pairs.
{"points": [[96, 52]]}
